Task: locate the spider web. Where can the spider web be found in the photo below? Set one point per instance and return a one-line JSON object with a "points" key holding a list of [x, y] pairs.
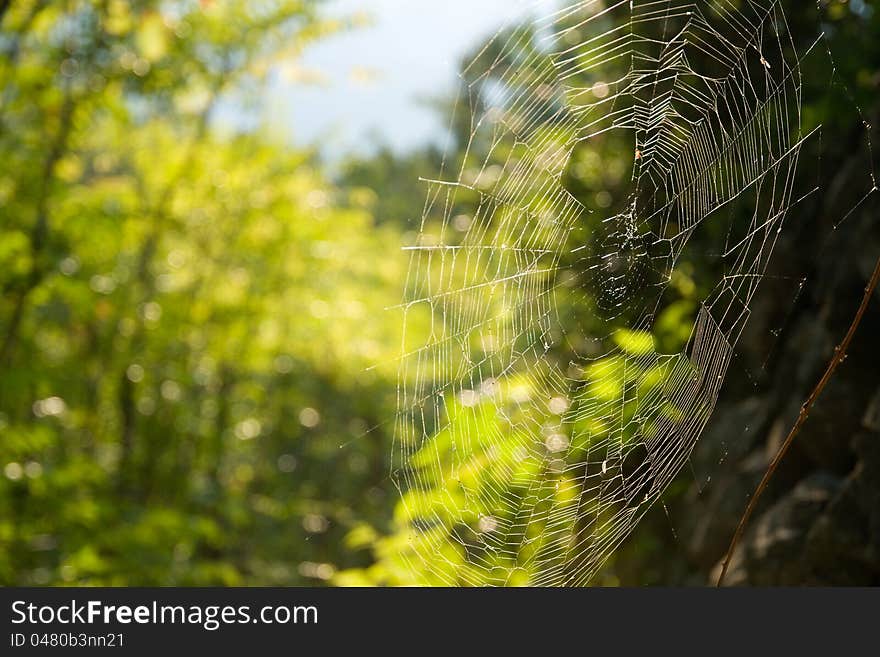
{"points": [[531, 438]]}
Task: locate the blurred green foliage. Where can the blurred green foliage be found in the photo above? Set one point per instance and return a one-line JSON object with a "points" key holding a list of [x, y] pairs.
{"points": [[186, 317], [197, 364]]}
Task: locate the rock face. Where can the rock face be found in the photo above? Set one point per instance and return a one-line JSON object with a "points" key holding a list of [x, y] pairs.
{"points": [[818, 523]]}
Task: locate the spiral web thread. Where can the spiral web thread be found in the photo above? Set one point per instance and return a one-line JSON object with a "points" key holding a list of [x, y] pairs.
{"points": [[518, 466]]}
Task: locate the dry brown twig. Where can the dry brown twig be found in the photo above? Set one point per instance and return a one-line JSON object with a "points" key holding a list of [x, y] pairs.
{"points": [[839, 356]]}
